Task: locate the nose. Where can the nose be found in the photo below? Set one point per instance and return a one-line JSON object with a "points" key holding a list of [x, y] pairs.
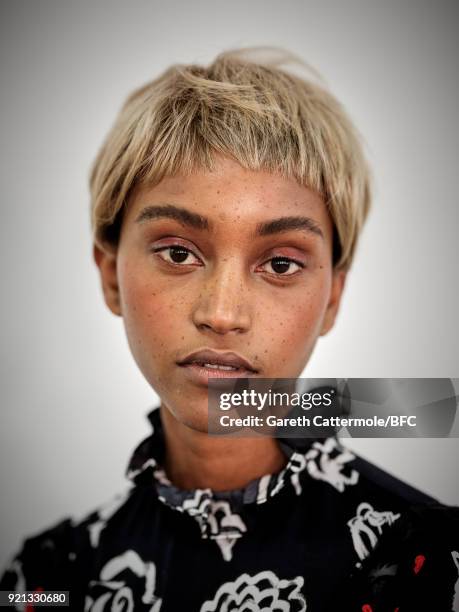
{"points": [[223, 302]]}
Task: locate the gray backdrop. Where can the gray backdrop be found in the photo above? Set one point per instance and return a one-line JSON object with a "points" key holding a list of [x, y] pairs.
{"points": [[73, 399]]}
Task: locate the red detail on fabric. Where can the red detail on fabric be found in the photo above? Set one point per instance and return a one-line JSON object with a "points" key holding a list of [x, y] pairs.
{"points": [[367, 608], [418, 563], [29, 607]]}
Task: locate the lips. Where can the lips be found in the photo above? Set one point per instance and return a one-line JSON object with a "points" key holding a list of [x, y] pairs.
{"points": [[217, 358]]}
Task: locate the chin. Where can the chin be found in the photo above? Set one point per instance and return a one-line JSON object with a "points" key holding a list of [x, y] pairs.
{"points": [[192, 414]]}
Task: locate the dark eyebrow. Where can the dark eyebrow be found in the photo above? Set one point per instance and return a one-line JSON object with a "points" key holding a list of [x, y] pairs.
{"points": [[186, 217], [285, 224], [169, 211]]}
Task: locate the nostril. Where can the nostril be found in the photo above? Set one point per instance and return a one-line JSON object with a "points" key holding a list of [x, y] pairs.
{"points": [[218, 329]]}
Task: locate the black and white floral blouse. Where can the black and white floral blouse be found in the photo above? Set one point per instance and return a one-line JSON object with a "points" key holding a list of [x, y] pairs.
{"points": [[330, 532]]}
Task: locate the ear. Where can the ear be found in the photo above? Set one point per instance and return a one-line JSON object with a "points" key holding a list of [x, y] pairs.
{"points": [[106, 260], [338, 282]]}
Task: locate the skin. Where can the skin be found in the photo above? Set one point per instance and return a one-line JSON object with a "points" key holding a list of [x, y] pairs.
{"points": [[228, 294]]}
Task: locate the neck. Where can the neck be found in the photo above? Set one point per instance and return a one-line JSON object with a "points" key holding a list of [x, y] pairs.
{"points": [[195, 460]]}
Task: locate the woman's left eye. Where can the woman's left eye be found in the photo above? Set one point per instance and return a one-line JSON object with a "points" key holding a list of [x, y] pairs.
{"points": [[177, 254], [282, 266]]}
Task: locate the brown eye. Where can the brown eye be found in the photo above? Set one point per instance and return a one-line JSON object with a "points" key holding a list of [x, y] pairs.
{"points": [[176, 254], [284, 266]]}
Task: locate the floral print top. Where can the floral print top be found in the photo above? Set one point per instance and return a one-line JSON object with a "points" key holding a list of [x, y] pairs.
{"points": [[329, 532]]}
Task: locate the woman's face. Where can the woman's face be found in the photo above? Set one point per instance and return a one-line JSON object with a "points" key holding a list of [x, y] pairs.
{"points": [[233, 261]]}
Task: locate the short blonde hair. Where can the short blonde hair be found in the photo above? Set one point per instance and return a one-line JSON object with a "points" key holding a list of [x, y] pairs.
{"points": [[254, 112]]}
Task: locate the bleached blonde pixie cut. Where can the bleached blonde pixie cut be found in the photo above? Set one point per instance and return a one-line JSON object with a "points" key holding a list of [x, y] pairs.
{"points": [[251, 111]]}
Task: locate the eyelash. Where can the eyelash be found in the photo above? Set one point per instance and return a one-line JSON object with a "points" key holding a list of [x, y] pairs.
{"points": [[179, 247]]}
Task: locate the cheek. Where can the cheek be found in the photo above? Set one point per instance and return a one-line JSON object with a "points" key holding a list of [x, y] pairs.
{"points": [[293, 326], [150, 314], [142, 305]]}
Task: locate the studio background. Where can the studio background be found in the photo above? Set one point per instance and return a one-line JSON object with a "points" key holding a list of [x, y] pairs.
{"points": [[73, 400]]}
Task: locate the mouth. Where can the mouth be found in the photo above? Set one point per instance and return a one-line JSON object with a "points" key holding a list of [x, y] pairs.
{"points": [[208, 363]]}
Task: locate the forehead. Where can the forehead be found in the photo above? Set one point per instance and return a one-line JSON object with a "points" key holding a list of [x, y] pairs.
{"points": [[233, 197]]}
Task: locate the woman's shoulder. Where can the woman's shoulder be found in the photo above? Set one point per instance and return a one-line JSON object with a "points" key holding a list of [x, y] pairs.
{"points": [[415, 566], [57, 556], [44, 561], [375, 478]]}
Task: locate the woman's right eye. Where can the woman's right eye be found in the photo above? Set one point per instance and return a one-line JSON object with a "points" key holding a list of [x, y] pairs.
{"points": [[176, 255]]}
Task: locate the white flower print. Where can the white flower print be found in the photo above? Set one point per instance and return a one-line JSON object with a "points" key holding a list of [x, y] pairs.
{"points": [[216, 520], [112, 593], [323, 466], [368, 522], [264, 592]]}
